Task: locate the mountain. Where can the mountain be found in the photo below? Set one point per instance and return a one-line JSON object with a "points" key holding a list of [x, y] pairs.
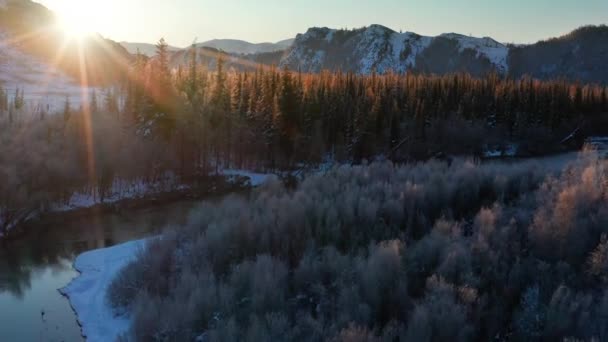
{"points": [[207, 57], [286, 43], [144, 48], [579, 55], [231, 46], [34, 30], [245, 48], [378, 48], [38, 59]]}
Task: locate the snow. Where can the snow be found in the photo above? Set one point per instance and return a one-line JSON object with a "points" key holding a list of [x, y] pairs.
{"points": [[371, 47], [255, 179], [494, 51], [87, 292], [510, 150], [598, 144], [137, 189], [417, 44], [330, 36], [120, 190], [45, 87], [381, 49]]}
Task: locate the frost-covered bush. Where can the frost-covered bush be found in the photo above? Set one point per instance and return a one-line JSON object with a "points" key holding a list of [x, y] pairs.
{"points": [[420, 252]]}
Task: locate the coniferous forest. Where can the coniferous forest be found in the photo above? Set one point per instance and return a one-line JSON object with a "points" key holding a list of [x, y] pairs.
{"points": [[186, 123]]}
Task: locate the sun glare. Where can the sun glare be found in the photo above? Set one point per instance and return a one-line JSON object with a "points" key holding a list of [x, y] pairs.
{"points": [[77, 20]]}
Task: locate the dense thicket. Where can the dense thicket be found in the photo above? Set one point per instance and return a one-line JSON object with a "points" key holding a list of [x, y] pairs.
{"points": [[189, 122], [425, 252]]}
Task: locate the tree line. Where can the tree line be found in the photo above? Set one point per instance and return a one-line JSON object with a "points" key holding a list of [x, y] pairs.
{"points": [[276, 118], [190, 122]]}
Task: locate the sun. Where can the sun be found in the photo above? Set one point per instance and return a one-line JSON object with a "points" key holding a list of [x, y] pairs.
{"points": [[77, 20]]}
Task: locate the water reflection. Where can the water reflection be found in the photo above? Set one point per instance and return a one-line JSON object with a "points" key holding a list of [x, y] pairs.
{"points": [[34, 266]]}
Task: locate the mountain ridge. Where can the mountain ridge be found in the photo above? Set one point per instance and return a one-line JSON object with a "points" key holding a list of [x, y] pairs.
{"points": [[234, 46], [376, 48]]}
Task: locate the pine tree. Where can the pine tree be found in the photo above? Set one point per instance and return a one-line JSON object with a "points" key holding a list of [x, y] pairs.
{"points": [[67, 111], [162, 55], [111, 102], [94, 105], [18, 101], [3, 100], [163, 111], [192, 80]]}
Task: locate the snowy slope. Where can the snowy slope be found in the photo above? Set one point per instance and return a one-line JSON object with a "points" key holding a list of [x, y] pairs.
{"points": [[303, 57], [487, 47], [45, 87], [378, 48]]}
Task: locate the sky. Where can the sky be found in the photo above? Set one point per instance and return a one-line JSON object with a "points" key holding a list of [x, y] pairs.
{"points": [[181, 22]]}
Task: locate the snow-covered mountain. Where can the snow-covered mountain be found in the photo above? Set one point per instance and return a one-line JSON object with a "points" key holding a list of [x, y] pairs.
{"points": [[580, 55], [378, 48]]}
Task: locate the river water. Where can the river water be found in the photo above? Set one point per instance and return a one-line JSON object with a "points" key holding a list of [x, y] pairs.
{"points": [[35, 266]]}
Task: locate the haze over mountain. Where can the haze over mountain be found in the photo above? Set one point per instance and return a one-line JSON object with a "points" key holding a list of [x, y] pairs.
{"points": [[234, 46], [144, 48], [243, 47]]}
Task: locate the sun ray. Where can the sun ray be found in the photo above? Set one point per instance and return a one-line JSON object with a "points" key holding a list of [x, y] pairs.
{"points": [[54, 65], [88, 131]]}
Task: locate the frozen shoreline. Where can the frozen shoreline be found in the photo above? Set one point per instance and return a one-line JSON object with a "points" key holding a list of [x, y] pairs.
{"points": [[87, 292], [134, 190]]}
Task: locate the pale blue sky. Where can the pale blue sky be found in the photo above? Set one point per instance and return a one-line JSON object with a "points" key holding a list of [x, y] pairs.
{"points": [[181, 21]]}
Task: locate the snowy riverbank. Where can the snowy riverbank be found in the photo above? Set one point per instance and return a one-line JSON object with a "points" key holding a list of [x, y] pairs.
{"points": [[87, 292], [138, 190]]}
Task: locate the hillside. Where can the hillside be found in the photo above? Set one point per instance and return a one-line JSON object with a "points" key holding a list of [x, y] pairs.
{"points": [[207, 57], [144, 48], [580, 55], [243, 47], [576, 56], [32, 29], [232, 46], [378, 48]]}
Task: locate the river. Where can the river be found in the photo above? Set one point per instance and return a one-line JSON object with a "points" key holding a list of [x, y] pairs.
{"points": [[37, 264]]}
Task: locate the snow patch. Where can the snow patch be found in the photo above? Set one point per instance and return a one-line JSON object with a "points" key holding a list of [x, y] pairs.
{"points": [[411, 43], [255, 179], [330, 36], [371, 47], [120, 190], [510, 150], [494, 51], [87, 292]]}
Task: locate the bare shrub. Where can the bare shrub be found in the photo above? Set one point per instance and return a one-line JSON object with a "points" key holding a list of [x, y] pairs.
{"points": [[598, 261], [421, 252]]}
